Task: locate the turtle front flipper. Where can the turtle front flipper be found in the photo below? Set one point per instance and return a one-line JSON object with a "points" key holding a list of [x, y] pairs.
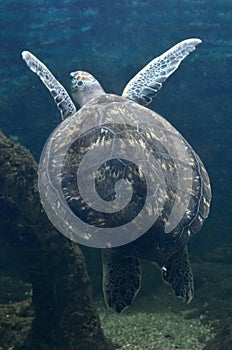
{"points": [[121, 279], [146, 83], [177, 273], [58, 92]]}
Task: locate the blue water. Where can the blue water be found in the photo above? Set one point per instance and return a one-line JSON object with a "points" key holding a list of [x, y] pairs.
{"points": [[114, 40]]}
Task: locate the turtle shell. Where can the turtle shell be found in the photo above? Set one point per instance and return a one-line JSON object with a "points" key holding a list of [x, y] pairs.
{"points": [[116, 172]]}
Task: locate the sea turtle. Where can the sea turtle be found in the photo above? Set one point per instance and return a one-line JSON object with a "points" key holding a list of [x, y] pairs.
{"points": [[179, 192]]}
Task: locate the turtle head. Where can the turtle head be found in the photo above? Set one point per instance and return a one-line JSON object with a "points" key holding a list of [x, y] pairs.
{"points": [[84, 87]]}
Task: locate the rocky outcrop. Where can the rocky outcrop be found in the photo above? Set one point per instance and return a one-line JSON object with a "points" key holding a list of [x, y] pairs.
{"points": [[64, 315]]}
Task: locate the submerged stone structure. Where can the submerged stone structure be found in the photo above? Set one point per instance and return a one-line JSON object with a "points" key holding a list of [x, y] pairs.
{"points": [[65, 317]]}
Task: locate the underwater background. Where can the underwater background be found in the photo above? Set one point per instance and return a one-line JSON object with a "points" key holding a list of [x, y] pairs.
{"points": [[113, 41]]}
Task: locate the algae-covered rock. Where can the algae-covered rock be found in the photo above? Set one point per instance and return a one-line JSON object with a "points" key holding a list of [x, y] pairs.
{"points": [[15, 324], [65, 317], [222, 340]]}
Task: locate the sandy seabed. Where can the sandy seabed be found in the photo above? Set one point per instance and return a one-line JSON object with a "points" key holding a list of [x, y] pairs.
{"points": [[143, 330]]}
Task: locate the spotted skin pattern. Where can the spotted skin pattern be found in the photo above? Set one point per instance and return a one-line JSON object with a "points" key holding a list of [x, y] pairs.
{"points": [[58, 92], [144, 86], [85, 87], [121, 279], [178, 274]]}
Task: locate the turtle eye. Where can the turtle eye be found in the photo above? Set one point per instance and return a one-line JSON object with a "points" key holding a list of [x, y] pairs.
{"points": [[80, 83]]}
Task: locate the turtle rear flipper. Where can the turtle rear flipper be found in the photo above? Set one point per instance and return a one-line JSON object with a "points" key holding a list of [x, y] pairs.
{"points": [[177, 273], [121, 279]]}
